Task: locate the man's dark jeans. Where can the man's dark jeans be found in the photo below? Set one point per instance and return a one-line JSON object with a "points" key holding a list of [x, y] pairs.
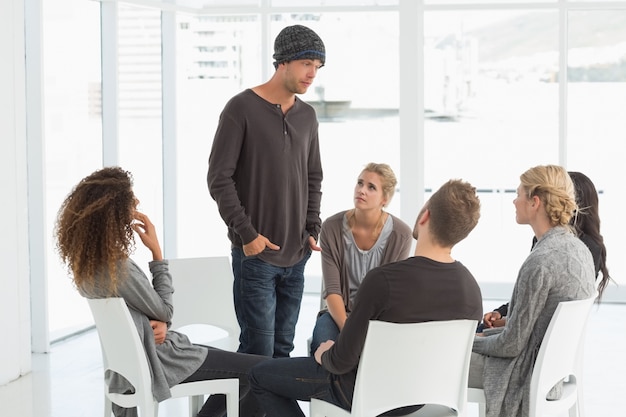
{"points": [[267, 303], [279, 383]]}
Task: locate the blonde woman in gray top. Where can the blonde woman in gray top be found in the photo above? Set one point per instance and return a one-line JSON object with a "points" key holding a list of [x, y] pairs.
{"points": [[559, 268], [355, 241]]}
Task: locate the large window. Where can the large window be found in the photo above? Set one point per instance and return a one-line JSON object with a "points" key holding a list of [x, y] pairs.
{"points": [[494, 104], [355, 96], [491, 102], [73, 134], [595, 125], [140, 143]]}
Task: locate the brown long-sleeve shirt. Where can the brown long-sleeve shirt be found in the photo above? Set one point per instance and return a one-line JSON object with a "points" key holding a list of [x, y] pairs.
{"points": [[415, 290], [265, 174]]}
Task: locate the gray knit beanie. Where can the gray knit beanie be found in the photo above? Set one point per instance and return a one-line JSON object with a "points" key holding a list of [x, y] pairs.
{"points": [[298, 42]]}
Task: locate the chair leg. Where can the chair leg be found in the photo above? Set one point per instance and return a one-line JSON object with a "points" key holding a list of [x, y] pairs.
{"points": [[151, 409], [232, 404], [108, 407], [578, 410], [195, 404], [482, 409]]}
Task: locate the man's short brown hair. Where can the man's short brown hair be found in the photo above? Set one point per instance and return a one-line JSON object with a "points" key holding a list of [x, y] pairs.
{"points": [[454, 212]]}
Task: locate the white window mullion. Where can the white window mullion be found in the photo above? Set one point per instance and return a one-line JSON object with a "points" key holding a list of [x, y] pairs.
{"points": [[33, 40], [563, 28], [411, 67], [169, 133], [110, 83]]}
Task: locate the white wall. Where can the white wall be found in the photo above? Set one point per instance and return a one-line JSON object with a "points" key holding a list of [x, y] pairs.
{"points": [[15, 349]]}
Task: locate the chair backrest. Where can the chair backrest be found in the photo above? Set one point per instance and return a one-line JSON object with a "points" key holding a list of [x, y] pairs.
{"points": [[203, 295], [122, 351], [560, 354], [322, 299], [414, 363]]}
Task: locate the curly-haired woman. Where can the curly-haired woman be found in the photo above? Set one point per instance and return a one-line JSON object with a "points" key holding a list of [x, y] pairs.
{"points": [[95, 237]]}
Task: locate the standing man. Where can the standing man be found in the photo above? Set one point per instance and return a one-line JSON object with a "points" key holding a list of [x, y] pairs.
{"points": [[265, 174]]}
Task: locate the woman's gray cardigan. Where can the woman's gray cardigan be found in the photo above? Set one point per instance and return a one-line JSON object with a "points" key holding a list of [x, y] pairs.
{"points": [[334, 267], [559, 268], [172, 361]]}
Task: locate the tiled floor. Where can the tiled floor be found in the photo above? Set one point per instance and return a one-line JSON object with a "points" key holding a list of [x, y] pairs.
{"points": [[68, 381]]}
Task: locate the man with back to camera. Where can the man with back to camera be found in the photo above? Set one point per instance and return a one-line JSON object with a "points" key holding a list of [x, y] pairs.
{"points": [[429, 286], [265, 175]]}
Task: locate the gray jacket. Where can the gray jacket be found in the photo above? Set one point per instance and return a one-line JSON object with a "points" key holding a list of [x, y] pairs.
{"points": [[170, 362], [559, 268]]}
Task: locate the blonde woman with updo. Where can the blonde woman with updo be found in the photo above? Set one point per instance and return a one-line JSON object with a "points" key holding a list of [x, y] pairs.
{"points": [[355, 241], [559, 268]]}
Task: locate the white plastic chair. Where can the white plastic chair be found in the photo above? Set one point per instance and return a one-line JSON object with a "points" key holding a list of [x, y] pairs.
{"points": [[203, 301], [409, 364], [560, 357], [123, 353]]}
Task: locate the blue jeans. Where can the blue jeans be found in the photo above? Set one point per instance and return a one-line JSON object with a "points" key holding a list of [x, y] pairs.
{"points": [[325, 329], [267, 303], [278, 384]]}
